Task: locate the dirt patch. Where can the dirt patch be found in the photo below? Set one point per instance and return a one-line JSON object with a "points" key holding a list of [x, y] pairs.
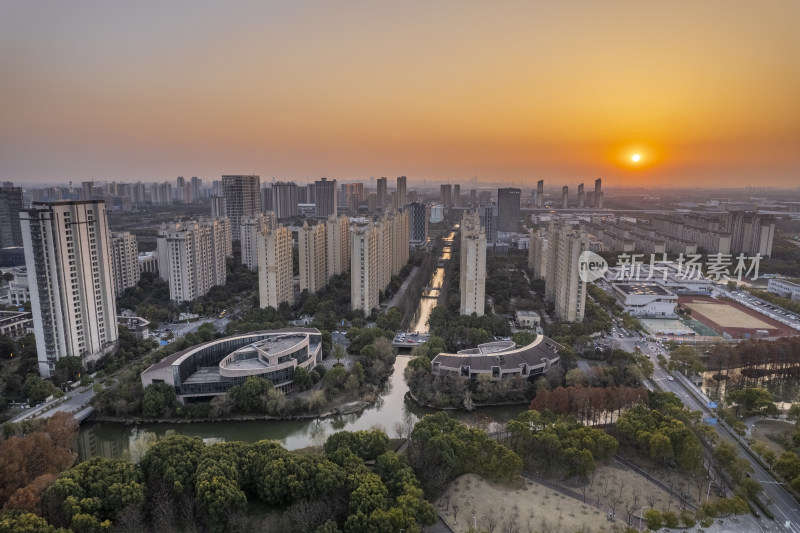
{"points": [[733, 318], [772, 432], [535, 507]]}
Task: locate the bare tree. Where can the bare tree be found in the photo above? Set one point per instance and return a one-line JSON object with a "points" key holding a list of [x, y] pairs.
{"points": [[632, 505], [455, 511], [130, 520], [489, 521]]}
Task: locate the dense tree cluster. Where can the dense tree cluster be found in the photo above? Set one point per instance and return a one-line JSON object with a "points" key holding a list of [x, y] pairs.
{"points": [[182, 483], [558, 444], [589, 404], [460, 332], [657, 433], [441, 449], [30, 463]]}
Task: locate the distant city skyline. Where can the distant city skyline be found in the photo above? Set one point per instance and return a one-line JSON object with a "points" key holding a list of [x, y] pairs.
{"points": [[636, 93]]}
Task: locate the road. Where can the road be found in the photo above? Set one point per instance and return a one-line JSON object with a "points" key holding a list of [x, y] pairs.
{"points": [[785, 507], [74, 401]]}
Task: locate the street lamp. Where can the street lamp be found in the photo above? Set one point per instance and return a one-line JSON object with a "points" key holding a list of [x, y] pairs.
{"points": [[641, 514]]}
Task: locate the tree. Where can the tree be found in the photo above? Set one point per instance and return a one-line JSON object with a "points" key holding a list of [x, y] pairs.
{"points": [[68, 368], [794, 412], [302, 379], [158, 399], [523, 338], [37, 389], [752, 399], [653, 519]]}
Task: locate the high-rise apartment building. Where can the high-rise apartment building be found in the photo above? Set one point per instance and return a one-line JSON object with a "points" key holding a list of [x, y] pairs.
{"points": [[68, 258], [418, 215], [537, 252], [378, 251], [446, 195], [484, 198], [751, 233], [285, 200], [473, 198], [242, 199], [402, 197], [252, 228], [337, 242], [363, 269], [456, 195], [275, 268], [161, 193], [581, 197], [472, 281], [196, 190], [508, 200], [191, 256], [564, 197], [124, 261], [10, 207], [311, 251], [557, 251]]}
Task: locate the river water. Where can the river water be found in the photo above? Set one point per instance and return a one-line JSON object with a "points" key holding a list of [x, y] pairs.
{"points": [[391, 408]]}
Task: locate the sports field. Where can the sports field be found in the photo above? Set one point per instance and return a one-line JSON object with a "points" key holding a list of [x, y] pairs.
{"points": [[732, 318], [727, 315]]}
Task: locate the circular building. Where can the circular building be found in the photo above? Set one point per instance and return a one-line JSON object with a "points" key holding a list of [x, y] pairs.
{"points": [[212, 368]]}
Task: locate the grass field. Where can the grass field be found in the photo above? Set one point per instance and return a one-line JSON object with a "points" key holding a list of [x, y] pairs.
{"points": [[727, 315]]}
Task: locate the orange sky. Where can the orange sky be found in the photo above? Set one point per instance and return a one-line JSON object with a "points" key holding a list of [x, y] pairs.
{"points": [[706, 91]]}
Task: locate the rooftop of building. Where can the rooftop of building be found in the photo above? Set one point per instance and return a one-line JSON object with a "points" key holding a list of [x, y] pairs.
{"points": [[527, 313], [641, 289], [506, 355]]}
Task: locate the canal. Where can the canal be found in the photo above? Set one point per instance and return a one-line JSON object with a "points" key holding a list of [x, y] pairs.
{"points": [[390, 410]]}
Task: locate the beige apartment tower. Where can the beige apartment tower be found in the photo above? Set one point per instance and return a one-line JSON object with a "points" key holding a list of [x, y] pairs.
{"points": [[363, 269], [124, 261], [311, 251], [563, 286], [191, 256], [242, 199], [68, 256], [337, 242], [472, 282], [252, 228], [275, 268]]}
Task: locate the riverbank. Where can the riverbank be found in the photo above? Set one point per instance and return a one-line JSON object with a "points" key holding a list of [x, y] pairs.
{"points": [[410, 396], [347, 409]]}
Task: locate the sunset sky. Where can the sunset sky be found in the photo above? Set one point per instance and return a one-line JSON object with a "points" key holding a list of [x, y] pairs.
{"points": [[707, 92]]}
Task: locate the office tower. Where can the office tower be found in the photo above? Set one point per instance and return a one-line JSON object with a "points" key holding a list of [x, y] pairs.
{"points": [[275, 268], [196, 190], [252, 228], [337, 242], [581, 198], [564, 197], [285, 200], [598, 193], [490, 220], [10, 207], [372, 203], [191, 256], [472, 281], [445, 195], [402, 198], [311, 251], [124, 261], [484, 198], [363, 269], [418, 215], [473, 198], [508, 208], [540, 193], [456, 195], [242, 199], [68, 258], [563, 285], [382, 196], [266, 198], [327, 198]]}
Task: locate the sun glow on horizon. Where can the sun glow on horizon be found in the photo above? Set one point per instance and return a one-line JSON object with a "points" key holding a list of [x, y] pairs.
{"points": [[635, 158]]}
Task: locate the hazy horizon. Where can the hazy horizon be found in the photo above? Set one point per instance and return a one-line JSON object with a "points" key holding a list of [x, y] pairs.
{"points": [[704, 93]]}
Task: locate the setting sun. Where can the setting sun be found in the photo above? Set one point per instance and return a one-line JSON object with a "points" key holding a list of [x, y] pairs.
{"points": [[635, 158]]}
